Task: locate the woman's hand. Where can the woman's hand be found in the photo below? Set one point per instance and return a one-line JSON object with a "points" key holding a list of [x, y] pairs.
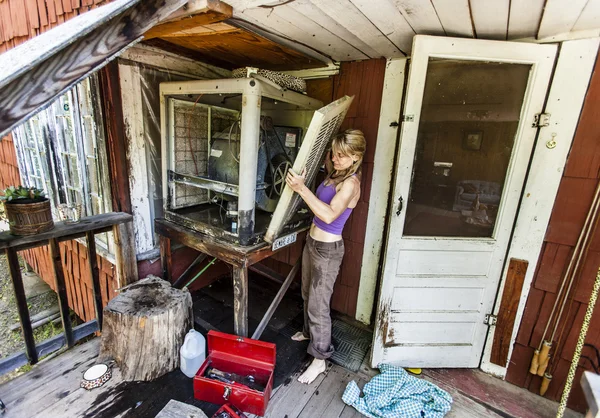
{"points": [[295, 181]]}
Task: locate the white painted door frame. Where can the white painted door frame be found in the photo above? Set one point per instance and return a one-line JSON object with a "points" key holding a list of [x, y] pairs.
{"points": [[481, 280]]}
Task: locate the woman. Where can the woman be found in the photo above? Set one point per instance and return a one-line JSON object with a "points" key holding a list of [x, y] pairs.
{"points": [[324, 250]]}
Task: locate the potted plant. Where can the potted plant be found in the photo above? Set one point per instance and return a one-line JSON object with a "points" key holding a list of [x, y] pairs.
{"points": [[27, 210]]}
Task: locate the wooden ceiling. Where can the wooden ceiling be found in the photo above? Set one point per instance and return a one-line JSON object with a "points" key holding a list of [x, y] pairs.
{"points": [[205, 36]]}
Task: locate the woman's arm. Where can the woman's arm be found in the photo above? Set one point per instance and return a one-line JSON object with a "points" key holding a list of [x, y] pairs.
{"points": [[326, 212]]}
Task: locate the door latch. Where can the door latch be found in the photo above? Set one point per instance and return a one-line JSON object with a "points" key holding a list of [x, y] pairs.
{"points": [[400, 206], [490, 320]]}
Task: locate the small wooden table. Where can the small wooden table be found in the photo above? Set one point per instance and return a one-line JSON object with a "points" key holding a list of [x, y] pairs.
{"points": [[239, 257], [119, 223]]}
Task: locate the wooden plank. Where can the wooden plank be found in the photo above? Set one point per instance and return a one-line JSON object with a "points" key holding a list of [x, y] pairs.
{"points": [[95, 273], [388, 19], [490, 18], [62, 229], [47, 347], [114, 127], [212, 11], [17, 281], [125, 260], [559, 19], [276, 300], [455, 17], [328, 403], [32, 14], [584, 157], [166, 260], [61, 290], [421, 16], [173, 63], [589, 17], [52, 62], [347, 15], [240, 301], [508, 311], [524, 18], [292, 24], [281, 405], [306, 8]]}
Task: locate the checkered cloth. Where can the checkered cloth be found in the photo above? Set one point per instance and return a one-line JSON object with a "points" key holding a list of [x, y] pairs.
{"points": [[396, 394]]}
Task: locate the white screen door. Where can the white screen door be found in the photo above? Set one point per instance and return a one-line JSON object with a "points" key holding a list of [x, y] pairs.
{"points": [[465, 145]]}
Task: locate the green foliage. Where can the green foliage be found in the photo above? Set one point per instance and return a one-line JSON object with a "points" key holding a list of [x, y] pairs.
{"points": [[17, 193]]}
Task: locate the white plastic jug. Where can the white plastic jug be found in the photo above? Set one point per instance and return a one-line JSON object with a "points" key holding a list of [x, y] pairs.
{"points": [[192, 353]]}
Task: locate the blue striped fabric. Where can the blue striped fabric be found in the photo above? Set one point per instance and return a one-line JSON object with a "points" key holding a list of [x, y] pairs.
{"points": [[394, 393]]}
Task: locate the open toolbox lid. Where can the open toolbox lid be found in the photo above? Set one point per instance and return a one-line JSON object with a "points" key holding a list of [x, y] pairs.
{"points": [[235, 346]]}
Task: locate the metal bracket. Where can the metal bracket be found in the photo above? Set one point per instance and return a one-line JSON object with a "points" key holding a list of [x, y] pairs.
{"points": [[408, 118], [490, 320], [540, 120]]}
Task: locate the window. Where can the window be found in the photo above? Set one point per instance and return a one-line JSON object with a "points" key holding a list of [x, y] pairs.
{"points": [[62, 150]]}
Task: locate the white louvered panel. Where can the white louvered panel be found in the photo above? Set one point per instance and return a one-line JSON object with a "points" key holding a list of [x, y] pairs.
{"points": [[352, 19], [421, 16], [560, 17], [455, 17], [308, 10], [389, 21], [524, 18], [490, 18], [589, 17], [324, 125]]}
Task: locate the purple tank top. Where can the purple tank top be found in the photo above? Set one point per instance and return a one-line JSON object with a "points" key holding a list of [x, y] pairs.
{"points": [[325, 194]]}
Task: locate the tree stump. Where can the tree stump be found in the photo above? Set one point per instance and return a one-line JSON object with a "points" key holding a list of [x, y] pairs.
{"points": [[144, 327]]}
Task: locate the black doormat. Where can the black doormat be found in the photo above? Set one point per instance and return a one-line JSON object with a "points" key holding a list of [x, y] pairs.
{"points": [[351, 344]]}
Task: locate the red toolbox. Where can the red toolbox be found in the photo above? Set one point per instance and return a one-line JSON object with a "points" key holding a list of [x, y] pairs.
{"points": [[245, 357]]}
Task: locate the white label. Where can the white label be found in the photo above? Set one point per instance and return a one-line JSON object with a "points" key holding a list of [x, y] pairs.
{"points": [[284, 241], [216, 153], [290, 140]]}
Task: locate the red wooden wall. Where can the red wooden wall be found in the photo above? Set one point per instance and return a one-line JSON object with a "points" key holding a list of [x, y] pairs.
{"points": [[21, 20], [570, 208], [364, 81]]}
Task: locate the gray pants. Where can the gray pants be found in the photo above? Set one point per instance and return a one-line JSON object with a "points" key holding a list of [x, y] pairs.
{"points": [[320, 266]]}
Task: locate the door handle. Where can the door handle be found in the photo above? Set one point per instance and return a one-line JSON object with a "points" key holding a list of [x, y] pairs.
{"points": [[400, 206]]}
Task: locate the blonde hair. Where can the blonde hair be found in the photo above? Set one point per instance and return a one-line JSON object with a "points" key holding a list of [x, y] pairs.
{"points": [[350, 143]]}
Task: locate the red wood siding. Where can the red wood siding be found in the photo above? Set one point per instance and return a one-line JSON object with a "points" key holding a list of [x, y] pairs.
{"points": [[568, 215], [21, 20]]}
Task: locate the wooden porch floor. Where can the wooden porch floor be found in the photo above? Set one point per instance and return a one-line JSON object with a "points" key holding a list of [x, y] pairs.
{"points": [[51, 389]]}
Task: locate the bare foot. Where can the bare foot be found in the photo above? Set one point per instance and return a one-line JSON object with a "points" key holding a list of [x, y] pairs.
{"points": [[316, 368], [299, 336]]}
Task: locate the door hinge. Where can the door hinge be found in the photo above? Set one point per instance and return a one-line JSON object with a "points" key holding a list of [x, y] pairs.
{"points": [[490, 320], [540, 120]]}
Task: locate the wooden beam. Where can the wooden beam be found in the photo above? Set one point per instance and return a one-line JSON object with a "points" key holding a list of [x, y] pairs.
{"points": [[61, 290], [62, 229], [95, 273], [198, 13], [125, 260], [240, 301], [508, 311], [38, 71], [114, 126], [166, 260], [277, 300], [17, 281]]}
